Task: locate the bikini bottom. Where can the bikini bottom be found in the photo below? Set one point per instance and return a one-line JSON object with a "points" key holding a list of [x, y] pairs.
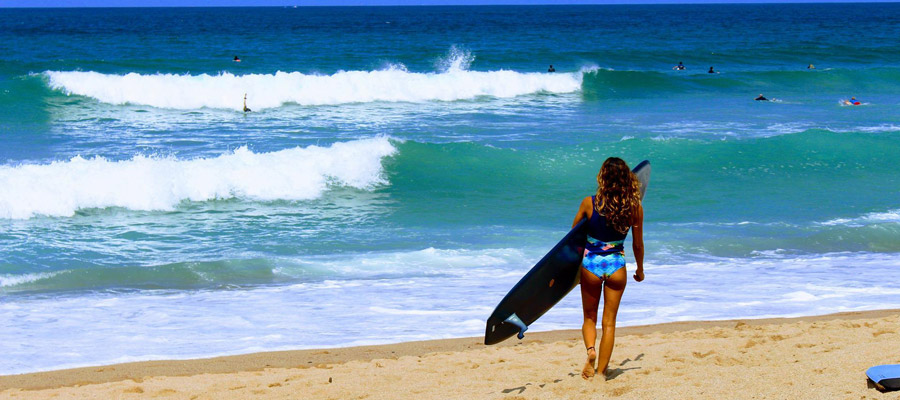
{"points": [[603, 265]]}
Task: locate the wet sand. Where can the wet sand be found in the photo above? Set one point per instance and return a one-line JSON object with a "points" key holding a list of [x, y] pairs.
{"points": [[808, 357]]}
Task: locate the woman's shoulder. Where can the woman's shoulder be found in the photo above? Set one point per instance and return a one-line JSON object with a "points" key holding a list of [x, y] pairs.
{"points": [[587, 206], [587, 203]]}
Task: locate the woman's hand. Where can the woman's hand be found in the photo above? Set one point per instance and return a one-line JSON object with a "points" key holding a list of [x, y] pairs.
{"points": [[639, 275]]}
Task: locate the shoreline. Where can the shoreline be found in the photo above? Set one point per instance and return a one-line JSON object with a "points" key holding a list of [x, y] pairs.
{"points": [[325, 359]]}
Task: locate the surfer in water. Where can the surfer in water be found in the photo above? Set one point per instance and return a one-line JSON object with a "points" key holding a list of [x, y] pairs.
{"points": [[679, 67], [245, 104], [551, 69], [610, 213]]}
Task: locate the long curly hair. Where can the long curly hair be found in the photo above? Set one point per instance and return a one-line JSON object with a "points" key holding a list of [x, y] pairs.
{"points": [[618, 194]]}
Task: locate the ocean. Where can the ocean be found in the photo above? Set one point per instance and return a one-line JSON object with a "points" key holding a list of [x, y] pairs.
{"points": [[403, 167]]}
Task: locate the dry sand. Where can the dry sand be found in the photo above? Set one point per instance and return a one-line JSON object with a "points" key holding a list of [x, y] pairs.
{"points": [[822, 357]]}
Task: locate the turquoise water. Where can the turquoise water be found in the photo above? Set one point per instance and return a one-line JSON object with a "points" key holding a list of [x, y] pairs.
{"points": [[403, 167]]}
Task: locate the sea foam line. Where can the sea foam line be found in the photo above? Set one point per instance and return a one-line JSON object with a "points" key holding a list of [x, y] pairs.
{"points": [[889, 216], [226, 90], [160, 183]]}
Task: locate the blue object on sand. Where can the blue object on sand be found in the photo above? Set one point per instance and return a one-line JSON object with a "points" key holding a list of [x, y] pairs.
{"points": [[886, 377]]}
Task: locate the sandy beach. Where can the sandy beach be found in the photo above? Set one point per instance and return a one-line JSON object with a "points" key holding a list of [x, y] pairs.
{"points": [[821, 357], [385, 171]]}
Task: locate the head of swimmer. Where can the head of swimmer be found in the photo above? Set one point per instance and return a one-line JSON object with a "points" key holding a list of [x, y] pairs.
{"points": [[618, 193]]}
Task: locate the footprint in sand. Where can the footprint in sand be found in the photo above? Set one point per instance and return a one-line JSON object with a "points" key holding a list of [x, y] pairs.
{"points": [[881, 332], [134, 389], [698, 354], [621, 390]]}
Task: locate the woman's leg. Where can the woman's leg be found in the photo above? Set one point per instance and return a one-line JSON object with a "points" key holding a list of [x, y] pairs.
{"points": [[612, 294], [591, 286]]}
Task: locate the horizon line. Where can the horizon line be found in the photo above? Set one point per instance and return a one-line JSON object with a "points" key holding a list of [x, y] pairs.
{"points": [[451, 3]]}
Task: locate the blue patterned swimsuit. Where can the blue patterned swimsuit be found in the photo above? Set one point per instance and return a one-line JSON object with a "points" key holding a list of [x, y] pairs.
{"points": [[604, 252]]}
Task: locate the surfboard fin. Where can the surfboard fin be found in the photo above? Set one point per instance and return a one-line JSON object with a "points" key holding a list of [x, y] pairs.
{"points": [[514, 319]]}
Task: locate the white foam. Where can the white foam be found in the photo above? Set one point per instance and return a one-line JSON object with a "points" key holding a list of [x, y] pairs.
{"points": [[7, 280], [393, 311], [882, 128], [878, 129], [800, 296], [160, 183], [392, 84], [457, 59], [424, 307], [492, 263], [870, 218]]}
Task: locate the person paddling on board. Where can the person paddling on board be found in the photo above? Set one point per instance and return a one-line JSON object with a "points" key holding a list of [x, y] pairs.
{"points": [[711, 71], [551, 69], [679, 67], [852, 102], [245, 104], [236, 59], [761, 98], [610, 213]]}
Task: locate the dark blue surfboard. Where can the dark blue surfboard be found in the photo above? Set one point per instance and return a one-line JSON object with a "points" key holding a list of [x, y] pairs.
{"points": [[547, 282]]}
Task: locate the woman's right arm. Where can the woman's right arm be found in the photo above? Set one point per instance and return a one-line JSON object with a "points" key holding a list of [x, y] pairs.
{"points": [[637, 244]]}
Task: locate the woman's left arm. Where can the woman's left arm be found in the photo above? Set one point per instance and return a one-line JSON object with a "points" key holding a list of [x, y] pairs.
{"points": [[637, 244]]}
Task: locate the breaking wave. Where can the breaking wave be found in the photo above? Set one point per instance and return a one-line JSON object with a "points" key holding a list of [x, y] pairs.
{"points": [[160, 183]]}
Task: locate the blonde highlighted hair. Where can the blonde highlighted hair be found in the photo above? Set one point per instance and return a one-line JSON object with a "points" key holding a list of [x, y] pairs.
{"points": [[618, 194]]}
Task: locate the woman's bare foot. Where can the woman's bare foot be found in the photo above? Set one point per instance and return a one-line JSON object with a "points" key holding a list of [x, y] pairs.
{"points": [[588, 370]]}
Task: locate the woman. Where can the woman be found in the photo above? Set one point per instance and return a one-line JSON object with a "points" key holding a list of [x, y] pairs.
{"points": [[610, 213]]}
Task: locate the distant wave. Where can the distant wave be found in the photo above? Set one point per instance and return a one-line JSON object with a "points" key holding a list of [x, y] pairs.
{"points": [[160, 183], [328, 271], [602, 82], [453, 81], [890, 216]]}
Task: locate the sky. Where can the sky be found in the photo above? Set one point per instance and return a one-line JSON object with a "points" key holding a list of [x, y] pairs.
{"points": [[232, 3]]}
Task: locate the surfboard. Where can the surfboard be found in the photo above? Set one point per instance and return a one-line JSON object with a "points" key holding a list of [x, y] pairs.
{"points": [[548, 282], [885, 377]]}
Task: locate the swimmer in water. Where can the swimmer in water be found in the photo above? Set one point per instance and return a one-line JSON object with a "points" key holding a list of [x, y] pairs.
{"points": [[245, 104], [711, 71], [679, 67], [237, 59], [551, 69], [810, 66], [761, 98]]}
